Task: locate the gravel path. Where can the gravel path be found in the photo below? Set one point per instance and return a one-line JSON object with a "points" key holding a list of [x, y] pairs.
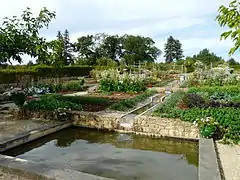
{"points": [[230, 160]]}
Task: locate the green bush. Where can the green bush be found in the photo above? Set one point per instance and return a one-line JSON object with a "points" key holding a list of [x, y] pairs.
{"points": [[168, 108], [232, 90], [18, 98], [68, 86], [49, 102], [110, 85], [193, 100], [82, 99], [126, 104]]}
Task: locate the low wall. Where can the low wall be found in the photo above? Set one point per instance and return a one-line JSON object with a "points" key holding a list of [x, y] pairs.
{"points": [[144, 125], [98, 120], [165, 127]]}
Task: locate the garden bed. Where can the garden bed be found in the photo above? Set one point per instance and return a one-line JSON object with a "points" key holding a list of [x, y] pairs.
{"points": [[115, 95], [212, 108]]}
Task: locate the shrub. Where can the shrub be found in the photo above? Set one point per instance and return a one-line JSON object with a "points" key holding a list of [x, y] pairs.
{"points": [[193, 100], [209, 128], [124, 105], [18, 98], [49, 102], [112, 81]]}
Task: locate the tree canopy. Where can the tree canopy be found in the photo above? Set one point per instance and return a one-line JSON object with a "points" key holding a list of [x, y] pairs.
{"points": [[230, 17], [173, 50], [20, 36], [207, 57]]}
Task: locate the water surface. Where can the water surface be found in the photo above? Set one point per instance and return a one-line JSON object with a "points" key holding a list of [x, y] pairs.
{"points": [[114, 155]]}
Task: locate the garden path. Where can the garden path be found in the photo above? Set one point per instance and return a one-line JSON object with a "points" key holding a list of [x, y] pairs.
{"points": [[230, 160]]}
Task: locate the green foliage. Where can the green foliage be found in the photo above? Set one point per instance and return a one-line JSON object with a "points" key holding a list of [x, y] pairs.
{"points": [[209, 128], [139, 49], [50, 102], [163, 83], [106, 62], [207, 57], [227, 117], [18, 98], [83, 99], [230, 17], [111, 47], [232, 62], [126, 104], [127, 85], [211, 90], [21, 35], [193, 100], [173, 50], [12, 75], [168, 108]]}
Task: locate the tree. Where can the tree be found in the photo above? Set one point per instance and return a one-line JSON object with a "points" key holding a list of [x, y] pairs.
{"points": [[232, 62], [112, 47], [173, 50], [85, 48], [57, 57], [230, 17], [179, 51], [20, 36], [207, 57], [68, 48], [139, 49]]}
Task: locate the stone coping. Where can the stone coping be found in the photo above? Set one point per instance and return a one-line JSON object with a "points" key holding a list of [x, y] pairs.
{"points": [[208, 163], [32, 170], [31, 135]]}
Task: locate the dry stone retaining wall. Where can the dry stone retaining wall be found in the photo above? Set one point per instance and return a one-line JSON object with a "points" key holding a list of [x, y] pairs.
{"points": [[165, 127], [144, 125]]}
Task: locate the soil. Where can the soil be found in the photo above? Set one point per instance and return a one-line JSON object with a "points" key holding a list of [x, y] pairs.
{"points": [[182, 105], [115, 95]]}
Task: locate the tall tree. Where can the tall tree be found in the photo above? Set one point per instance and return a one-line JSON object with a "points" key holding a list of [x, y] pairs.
{"points": [[68, 48], [230, 17], [20, 36], [85, 48], [173, 50], [57, 51], [179, 51], [112, 47], [139, 49]]}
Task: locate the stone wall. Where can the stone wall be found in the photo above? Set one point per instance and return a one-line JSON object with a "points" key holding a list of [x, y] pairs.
{"points": [[144, 125], [165, 127], [98, 120]]}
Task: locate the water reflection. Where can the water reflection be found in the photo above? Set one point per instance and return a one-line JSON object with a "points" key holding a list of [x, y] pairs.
{"points": [[114, 155]]}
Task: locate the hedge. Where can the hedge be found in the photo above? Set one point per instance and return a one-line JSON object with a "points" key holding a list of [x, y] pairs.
{"points": [[12, 75]]}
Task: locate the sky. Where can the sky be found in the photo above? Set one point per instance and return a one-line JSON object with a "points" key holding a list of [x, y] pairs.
{"points": [[190, 21]]}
